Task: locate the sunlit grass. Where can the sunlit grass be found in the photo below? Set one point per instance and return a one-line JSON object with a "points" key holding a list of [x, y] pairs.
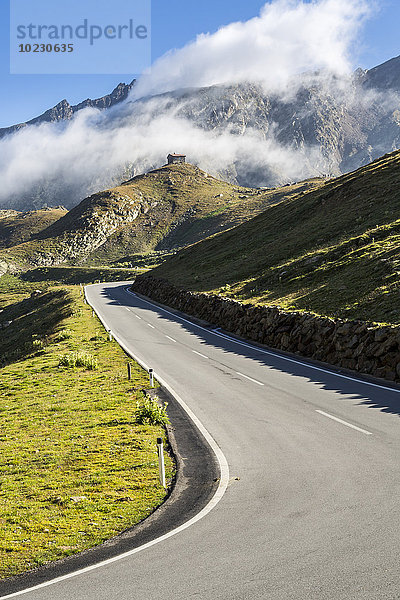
{"points": [[75, 466], [333, 251]]}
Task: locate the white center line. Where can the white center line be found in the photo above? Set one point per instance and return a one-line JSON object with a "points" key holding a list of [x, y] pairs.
{"points": [[170, 338], [152, 326], [249, 378], [321, 412], [140, 318], [126, 308], [199, 354]]}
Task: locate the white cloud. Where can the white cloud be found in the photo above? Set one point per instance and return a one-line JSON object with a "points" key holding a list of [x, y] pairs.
{"points": [[287, 38]]}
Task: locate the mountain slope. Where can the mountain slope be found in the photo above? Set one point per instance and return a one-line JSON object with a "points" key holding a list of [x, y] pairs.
{"points": [[334, 250], [16, 227], [384, 76], [170, 207], [64, 111]]}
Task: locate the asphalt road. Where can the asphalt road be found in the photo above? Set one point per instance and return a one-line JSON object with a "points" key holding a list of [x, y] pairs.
{"points": [[315, 511]]}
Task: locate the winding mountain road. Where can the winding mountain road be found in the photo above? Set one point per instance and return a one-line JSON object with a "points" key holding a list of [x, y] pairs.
{"points": [[312, 507]]}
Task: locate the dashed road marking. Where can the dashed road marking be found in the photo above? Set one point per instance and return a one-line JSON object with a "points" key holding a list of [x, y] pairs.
{"points": [[321, 412], [199, 354], [249, 378]]}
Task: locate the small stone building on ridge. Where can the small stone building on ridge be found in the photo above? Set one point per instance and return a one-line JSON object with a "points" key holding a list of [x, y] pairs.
{"points": [[176, 158]]}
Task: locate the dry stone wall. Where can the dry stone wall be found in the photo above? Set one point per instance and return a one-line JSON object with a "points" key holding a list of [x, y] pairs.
{"points": [[357, 345]]}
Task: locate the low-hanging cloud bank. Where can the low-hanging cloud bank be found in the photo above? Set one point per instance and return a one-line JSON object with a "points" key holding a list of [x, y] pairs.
{"points": [[64, 162], [97, 149], [287, 38]]}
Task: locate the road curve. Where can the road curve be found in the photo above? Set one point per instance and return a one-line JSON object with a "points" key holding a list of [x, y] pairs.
{"points": [[311, 510]]}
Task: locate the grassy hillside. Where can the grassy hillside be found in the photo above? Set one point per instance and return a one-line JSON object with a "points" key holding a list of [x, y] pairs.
{"points": [[29, 320], [187, 205], [334, 250], [167, 208], [78, 465], [18, 227]]}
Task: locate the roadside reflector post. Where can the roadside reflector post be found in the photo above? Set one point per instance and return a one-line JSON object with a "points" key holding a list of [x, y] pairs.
{"points": [[151, 375], [161, 465], [92, 313], [129, 371], [110, 335]]}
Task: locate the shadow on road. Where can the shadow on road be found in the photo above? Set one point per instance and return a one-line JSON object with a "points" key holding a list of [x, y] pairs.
{"points": [[373, 396]]}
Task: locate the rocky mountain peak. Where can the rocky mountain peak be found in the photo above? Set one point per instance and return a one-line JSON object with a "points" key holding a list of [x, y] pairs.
{"points": [[385, 76], [59, 112], [65, 111]]}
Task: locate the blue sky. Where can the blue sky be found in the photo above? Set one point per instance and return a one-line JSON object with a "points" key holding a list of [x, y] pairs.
{"points": [[174, 23]]}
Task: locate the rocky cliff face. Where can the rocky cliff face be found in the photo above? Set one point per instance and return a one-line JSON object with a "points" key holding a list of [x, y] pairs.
{"points": [[384, 77], [64, 111], [3, 268], [86, 228]]}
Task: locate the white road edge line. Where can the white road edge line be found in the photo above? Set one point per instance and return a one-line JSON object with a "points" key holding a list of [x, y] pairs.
{"points": [[249, 378], [321, 412], [223, 484], [269, 352], [170, 338], [199, 354]]}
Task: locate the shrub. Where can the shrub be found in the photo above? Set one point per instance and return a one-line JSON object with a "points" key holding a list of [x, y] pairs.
{"points": [[37, 345], [34, 345], [64, 334], [78, 359], [149, 412]]}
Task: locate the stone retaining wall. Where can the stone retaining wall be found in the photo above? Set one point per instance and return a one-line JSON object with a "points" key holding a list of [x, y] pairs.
{"points": [[364, 347]]}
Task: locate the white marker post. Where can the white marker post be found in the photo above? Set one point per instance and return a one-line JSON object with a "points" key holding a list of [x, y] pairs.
{"points": [[161, 465], [110, 335], [151, 375]]}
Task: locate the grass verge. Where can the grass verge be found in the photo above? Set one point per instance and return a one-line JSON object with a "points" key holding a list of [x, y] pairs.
{"points": [[76, 466]]}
